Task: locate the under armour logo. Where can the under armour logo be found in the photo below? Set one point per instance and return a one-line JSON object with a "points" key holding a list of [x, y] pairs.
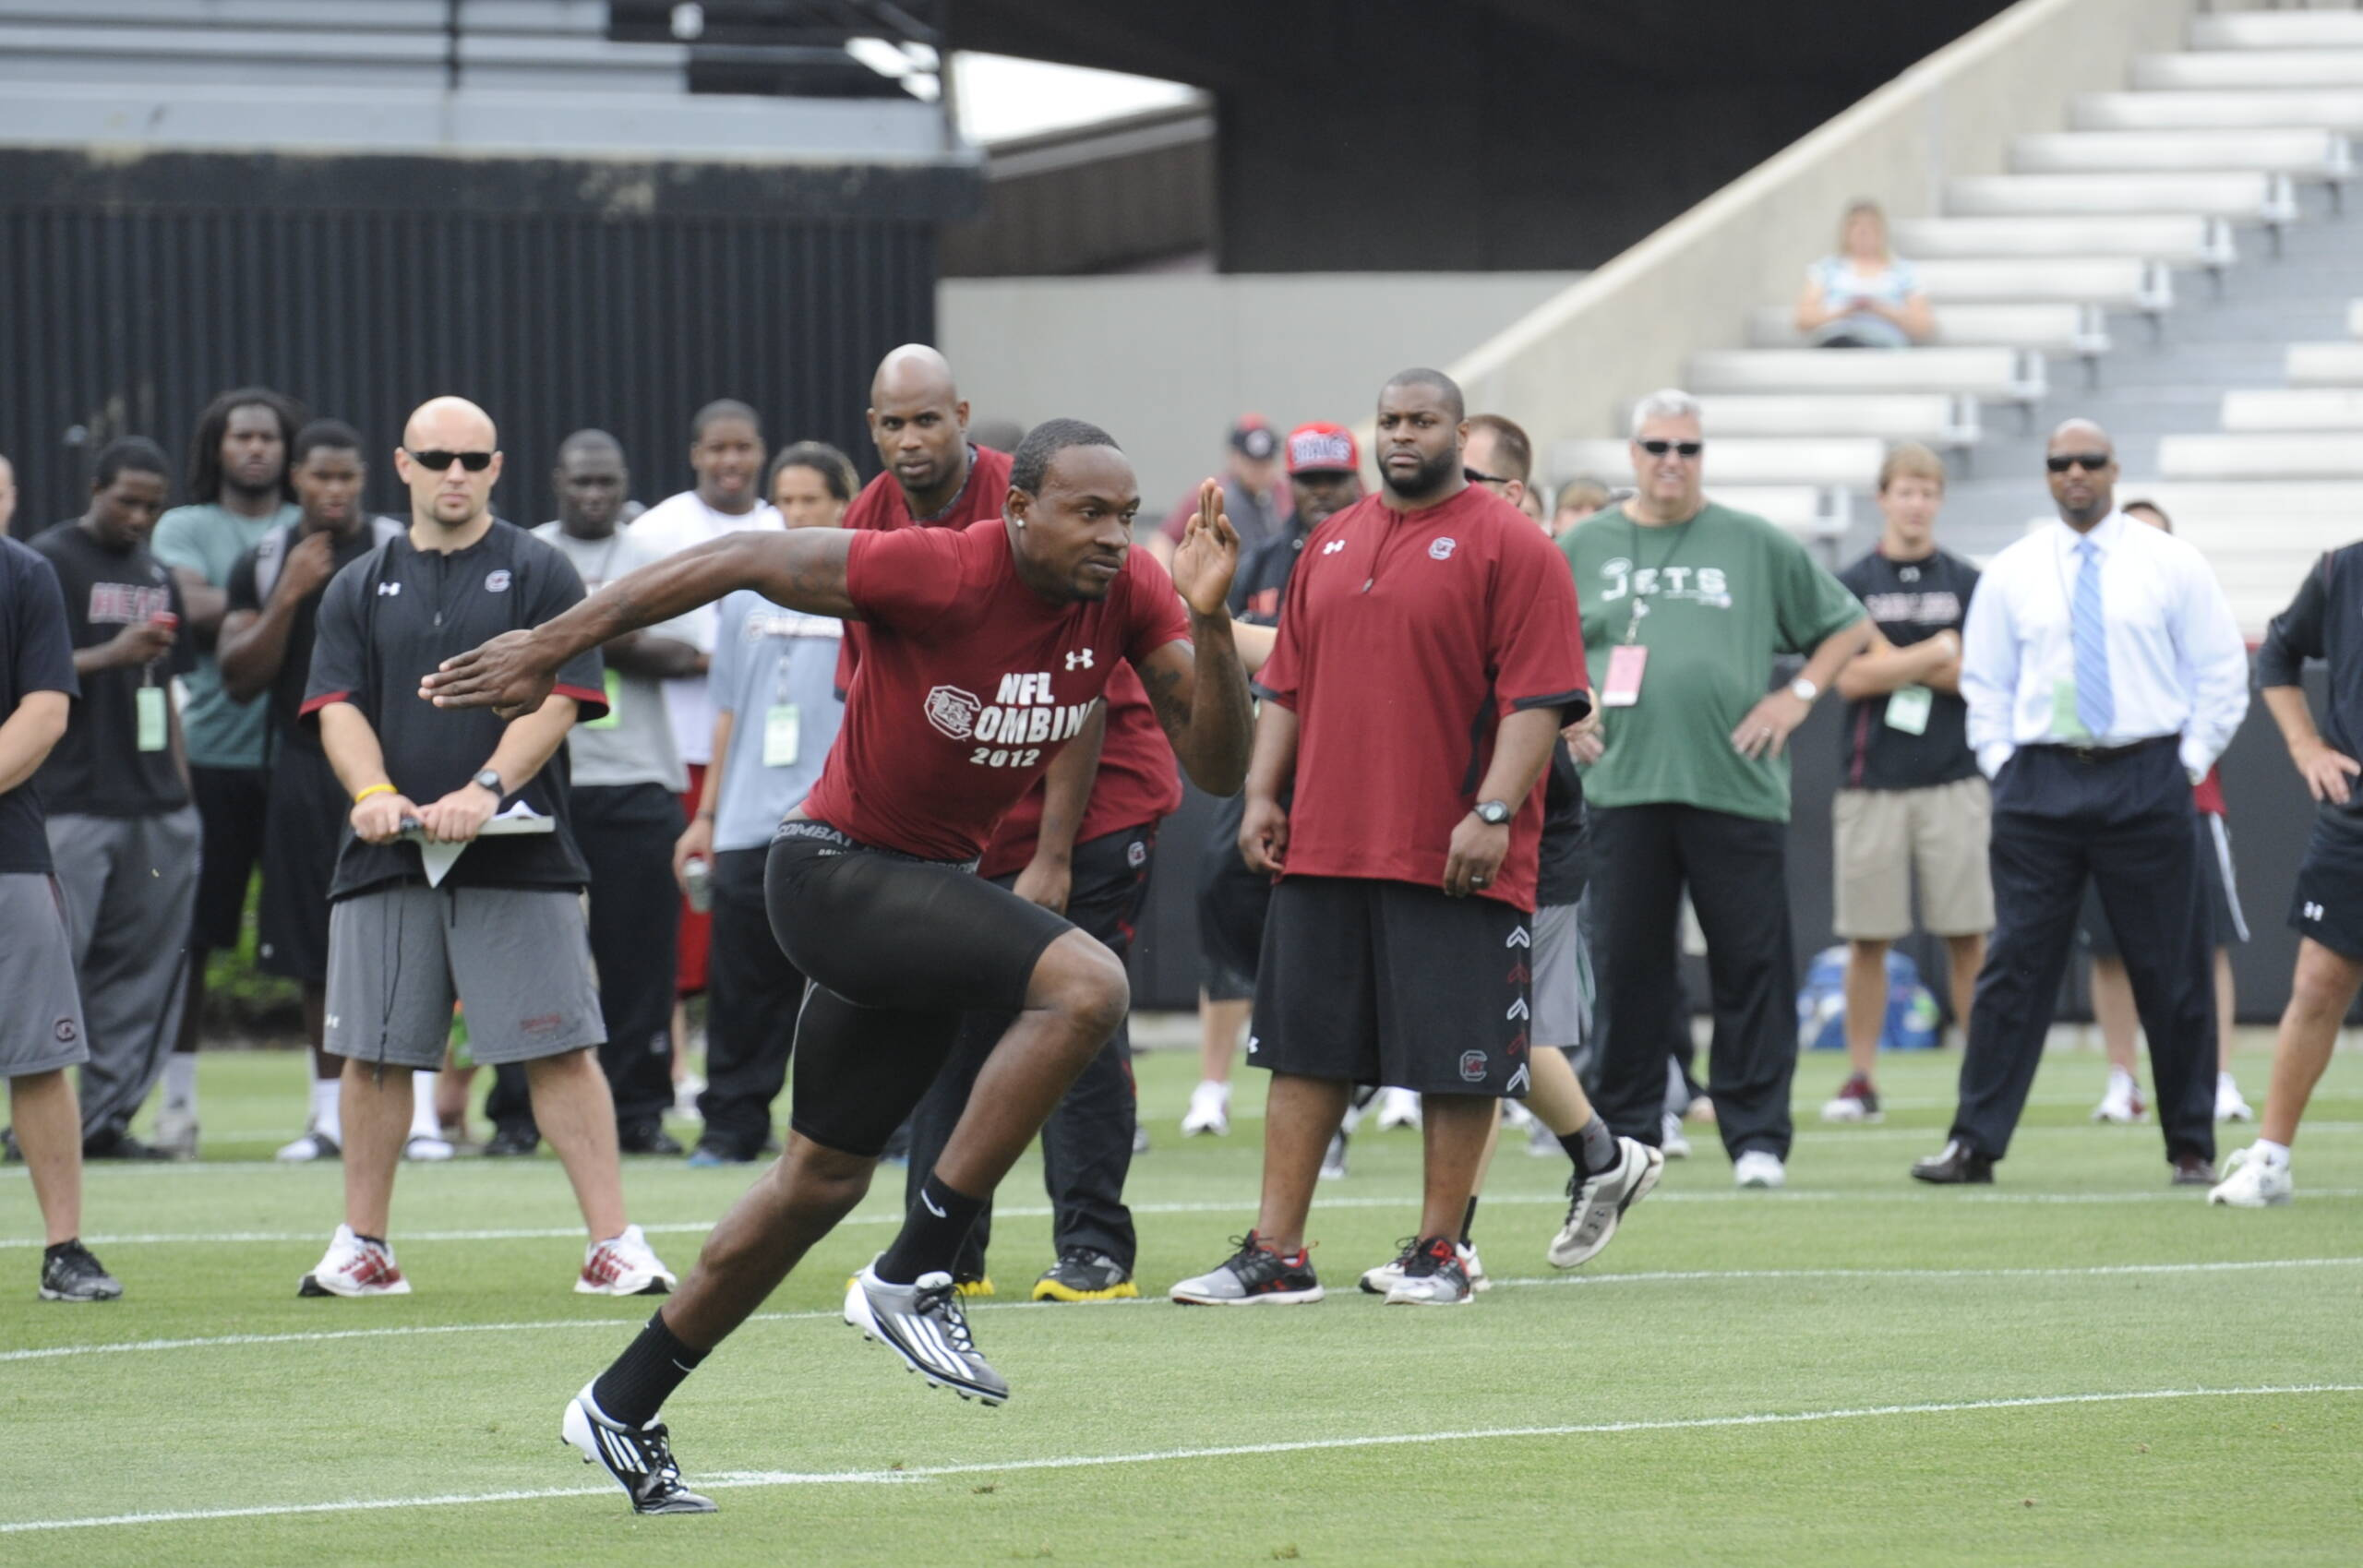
{"points": [[2314, 911], [388, 589], [1332, 547], [1080, 659], [1251, 1042]]}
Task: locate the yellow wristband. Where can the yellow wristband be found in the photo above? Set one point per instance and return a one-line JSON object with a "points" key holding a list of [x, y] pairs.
{"points": [[373, 789]]}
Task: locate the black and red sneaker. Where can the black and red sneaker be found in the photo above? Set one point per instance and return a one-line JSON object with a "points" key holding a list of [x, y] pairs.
{"points": [[1434, 1276], [1255, 1276], [1856, 1101]]}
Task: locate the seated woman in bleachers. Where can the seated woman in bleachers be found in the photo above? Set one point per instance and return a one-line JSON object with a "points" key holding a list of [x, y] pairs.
{"points": [[1863, 297]]}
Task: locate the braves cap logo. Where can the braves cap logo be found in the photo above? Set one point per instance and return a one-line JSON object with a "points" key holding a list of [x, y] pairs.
{"points": [[952, 710]]}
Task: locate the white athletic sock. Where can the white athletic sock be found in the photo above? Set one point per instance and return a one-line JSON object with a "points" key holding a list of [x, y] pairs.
{"points": [[327, 1119], [1221, 1088], [2118, 1075], [421, 1106], [2224, 1081], [2275, 1155], [180, 1080]]}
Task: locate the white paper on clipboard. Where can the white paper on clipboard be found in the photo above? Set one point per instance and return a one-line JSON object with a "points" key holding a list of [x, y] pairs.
{"points": [[437, 858]]}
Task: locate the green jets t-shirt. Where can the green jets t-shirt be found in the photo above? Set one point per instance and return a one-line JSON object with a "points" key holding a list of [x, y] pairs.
{"points": [[208, 540], [1726, 592]]}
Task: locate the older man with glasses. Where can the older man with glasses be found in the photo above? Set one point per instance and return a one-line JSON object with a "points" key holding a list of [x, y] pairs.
{"points": [[2104, 674], [1686, 603]]}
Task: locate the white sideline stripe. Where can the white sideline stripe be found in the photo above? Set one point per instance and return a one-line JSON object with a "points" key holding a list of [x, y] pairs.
{"points": [[736, 1478], [1654, 1276], [1243, 1207]]}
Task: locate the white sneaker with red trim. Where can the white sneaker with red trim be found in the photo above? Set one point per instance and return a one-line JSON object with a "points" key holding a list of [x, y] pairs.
{"points": [[623, 1265], [354, 1267]]}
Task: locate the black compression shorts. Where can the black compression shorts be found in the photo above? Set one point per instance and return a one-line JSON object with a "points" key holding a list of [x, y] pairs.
{"points": [[897, 949]]}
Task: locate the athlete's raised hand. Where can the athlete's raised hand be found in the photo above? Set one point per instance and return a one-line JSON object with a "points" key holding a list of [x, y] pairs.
{"points": [[1207, 557], [506, 675]]}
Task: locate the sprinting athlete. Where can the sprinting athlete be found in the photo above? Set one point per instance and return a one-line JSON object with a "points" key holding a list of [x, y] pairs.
{"points": [[985, 650]]}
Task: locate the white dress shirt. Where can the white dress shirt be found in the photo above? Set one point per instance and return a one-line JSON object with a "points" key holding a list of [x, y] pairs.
{"points": [[2175, 659], [670, 526]]}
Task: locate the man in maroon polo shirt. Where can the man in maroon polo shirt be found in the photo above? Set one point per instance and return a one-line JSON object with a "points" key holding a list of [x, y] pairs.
{"points": [[1428, 654], [1078, 844]]}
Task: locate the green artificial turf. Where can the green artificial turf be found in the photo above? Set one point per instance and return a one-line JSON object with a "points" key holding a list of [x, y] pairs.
{"points": [[1853, 1370]]}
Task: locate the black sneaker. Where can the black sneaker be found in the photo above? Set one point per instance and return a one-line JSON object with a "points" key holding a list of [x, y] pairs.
{"points": [[1255, 1276], [513, 1142], [641, 1461], [1082, 1274], [121, 1146], [646, 1138], [68, 1273], [1433, 1275]]}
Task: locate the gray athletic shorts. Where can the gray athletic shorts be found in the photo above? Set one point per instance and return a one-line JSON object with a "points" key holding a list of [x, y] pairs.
{"points": [[40, 1019], [1562, 977], [517, 959]]}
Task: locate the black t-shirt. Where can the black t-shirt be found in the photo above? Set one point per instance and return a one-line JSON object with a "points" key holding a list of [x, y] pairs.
{"points": [[1912, 601], [36, 655], [1562, 870], [1262, 579], [2325, 621], [247, 591], [390, 618], [98, 769]]}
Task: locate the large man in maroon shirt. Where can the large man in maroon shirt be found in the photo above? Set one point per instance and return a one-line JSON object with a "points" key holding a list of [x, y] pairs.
{"points": [[1428, 654], [1078, 844], [986, 651]]}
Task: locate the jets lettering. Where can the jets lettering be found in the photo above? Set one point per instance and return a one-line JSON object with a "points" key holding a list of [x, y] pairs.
{"points": [[1702, 585]]}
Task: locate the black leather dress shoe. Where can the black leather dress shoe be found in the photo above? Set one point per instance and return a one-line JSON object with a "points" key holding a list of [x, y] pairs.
{"points": [[1959, 1166], [2193, 1171]]}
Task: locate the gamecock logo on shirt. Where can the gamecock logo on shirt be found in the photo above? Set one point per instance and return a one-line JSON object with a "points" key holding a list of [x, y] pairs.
{"points": [[952, 710], [1441, 549]]}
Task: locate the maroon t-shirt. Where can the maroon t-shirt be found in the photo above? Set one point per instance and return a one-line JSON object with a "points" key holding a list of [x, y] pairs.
{"points": [[1138, 781], [1405, 640], [970, 683]]}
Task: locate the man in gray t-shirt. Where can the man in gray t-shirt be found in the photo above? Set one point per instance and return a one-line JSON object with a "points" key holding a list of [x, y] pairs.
{"points": [[624, 799]]}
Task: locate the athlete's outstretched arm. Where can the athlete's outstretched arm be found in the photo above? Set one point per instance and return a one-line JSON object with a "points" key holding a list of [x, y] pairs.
{"points": [[1199, 688], [803, 568]]}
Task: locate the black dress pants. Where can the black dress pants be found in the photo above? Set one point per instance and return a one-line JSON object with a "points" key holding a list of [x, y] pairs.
{"points": [[753, 996], [1736, 871], [626, 833], [1087, 1143], [2124, 824]]}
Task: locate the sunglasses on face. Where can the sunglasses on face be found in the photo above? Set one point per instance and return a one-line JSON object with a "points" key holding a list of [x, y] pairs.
{"points": [[1684, 449], [2091, 462], [440, 462], [1478, 476]]}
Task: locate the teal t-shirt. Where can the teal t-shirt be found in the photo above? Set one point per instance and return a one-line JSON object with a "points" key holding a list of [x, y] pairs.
{"points": [[208, 540], [1727, 591]]}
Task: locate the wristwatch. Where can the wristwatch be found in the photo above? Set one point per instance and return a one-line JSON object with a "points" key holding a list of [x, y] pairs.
{"points": [[1493, 812], [1804, 691], [490, 780]]}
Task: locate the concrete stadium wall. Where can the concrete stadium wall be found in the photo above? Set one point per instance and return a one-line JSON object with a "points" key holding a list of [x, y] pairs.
{"points": [[1631, 325], [1166, 363]]}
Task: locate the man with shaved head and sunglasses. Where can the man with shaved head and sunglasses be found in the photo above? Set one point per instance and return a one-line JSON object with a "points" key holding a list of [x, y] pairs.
{"points": [[2104, 674]]}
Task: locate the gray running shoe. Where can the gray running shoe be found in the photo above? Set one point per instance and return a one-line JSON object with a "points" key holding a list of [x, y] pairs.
{"points": [[1433, 1275], [68, 1273], [922, 1322], [1597, 1202]]}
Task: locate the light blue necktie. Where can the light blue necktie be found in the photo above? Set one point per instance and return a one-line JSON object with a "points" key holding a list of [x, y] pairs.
{"points": [[2095, 706]]}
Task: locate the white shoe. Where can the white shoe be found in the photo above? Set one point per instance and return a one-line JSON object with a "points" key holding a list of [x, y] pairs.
{"points": [[2229, 1105], [2122, 1101], [1673, 1143], [1594, 1206], [1209, 1110], [1398, 1107], [354, 1267], [176, 1133], [313, 1145], [1516, 1117], [1382, 1280], [1473, 1266], [427, 1149], [2251, 1182], [684, 1098], [1760, 1170], [623, 1265]]}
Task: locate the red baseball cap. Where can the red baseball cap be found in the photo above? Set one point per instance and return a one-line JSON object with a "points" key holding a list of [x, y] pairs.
{"points": [[1323, 449]]}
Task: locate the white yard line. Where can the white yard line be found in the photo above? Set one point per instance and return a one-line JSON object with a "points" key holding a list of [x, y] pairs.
{"points": [[746, 1479], [1654, 1276]]}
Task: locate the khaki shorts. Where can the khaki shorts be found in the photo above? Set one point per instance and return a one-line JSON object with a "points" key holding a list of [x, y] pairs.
{"points": [[1882, 836]]}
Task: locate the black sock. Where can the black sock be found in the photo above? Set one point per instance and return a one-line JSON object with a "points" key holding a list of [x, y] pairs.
{"points": [[1591, 1146], [372, 1240], [644, 1376], [931, 1234], [1468, 1221]]}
